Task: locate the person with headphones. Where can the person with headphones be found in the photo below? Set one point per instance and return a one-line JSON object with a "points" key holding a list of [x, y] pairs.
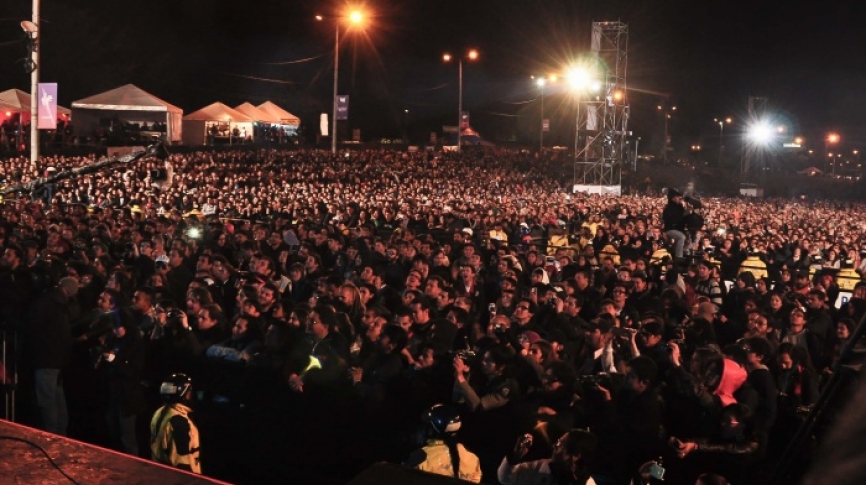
{"points": [[443, 455], [174, 437]]}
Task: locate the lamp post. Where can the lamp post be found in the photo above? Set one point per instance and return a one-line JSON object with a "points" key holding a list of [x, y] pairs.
{"points": [[31, 29], [541, 82], [722, 122], [667, 115], [355, 17], [832, 139], [471, 55]]}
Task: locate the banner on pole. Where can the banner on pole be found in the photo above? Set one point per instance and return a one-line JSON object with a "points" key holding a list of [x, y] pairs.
{"points": [[464, 120], [46, 112], [342, 108], [545, 124]]}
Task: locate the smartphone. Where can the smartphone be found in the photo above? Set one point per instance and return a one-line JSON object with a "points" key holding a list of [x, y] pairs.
{"points": [[533, 290], [491, 308]]}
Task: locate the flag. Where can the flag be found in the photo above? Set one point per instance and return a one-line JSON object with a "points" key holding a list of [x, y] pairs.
{"points": [[342, 108], [46, 112], [464, 120]]}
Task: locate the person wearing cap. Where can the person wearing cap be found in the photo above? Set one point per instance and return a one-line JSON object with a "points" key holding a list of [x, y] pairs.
{"points": [[566, 464], [674, 215], [49, 340]]}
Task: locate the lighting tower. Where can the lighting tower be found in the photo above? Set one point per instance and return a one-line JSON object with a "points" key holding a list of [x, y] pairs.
{"points": [[752, 157], [602, 118]]}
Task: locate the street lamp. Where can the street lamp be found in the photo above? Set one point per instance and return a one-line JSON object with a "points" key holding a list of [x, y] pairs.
{"points": [[667, 116], [355, 17], [832, 139], [722, 122], [541, 82], [471, 55]]}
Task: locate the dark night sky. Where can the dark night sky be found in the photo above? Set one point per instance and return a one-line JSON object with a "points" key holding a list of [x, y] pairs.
{"points": [[707, 57]]}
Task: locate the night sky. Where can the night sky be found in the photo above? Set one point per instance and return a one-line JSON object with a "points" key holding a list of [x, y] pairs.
{"points": [[704, 57]]}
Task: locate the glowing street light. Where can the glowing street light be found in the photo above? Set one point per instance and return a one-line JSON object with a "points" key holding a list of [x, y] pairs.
{"points": [[832, 139], [667, 116], [354, 17], [472, 55], [541, 82], [722, 122]]}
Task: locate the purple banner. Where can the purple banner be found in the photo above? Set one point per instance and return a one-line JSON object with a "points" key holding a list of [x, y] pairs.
{"points": [[47, 109], [342, 108]]}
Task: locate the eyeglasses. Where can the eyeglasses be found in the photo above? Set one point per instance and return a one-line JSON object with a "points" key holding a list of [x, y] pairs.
{"points": [[522, 307]]}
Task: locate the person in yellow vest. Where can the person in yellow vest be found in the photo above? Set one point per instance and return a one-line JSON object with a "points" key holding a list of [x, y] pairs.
{"points": [[173, 435], [558, 239], [443, 455]]}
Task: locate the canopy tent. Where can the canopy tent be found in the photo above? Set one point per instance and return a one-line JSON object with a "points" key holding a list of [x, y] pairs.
{"points": [[216, 121], [257, 114], [16, 101], [285, 118], [129, 104]]}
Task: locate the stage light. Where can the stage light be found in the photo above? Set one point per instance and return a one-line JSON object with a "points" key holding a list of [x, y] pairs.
{"points": [[761, 133]]}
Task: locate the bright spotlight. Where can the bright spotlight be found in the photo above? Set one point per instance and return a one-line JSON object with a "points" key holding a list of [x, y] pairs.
{"points": [[356, 17], [578, 78], [761, 133]]}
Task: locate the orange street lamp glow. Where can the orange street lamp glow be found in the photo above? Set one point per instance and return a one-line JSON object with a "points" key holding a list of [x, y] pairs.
{"points": [[356, 17], [833, 138]]}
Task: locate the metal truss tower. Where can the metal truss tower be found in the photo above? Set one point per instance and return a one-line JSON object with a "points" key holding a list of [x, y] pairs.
{"points": [[602, 117]]}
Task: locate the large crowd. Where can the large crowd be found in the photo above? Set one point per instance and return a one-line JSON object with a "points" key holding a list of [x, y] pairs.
{"points": [[289, 283]]}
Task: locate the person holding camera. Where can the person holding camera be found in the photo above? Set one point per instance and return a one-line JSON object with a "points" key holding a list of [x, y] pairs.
{"points": [[565, 466], [121, 361]]}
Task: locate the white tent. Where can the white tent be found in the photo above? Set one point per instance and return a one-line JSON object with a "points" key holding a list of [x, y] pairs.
{"points": [[286, 118], [217, 121], [257, 114], [128, 103], [17, 101]]}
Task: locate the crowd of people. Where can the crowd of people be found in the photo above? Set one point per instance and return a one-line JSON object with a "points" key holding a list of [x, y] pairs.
{"points": [[285, 282]]}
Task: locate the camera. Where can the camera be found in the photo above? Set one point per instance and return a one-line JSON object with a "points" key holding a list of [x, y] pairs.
{"points": [[173, 313], [623, 332]]}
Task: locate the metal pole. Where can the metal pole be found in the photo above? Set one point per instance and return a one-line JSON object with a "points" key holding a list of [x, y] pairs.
{"points": [[665, 149], [459, 103], [636, 143], [721, 140], [34, 89], [336, 70], [576, 138], [541, 133]]}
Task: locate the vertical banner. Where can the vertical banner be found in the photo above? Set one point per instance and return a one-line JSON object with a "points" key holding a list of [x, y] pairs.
{"points": [[46, 112], [342, 108], [464, 120], [545, 124], [323, 124], [356, 135]]}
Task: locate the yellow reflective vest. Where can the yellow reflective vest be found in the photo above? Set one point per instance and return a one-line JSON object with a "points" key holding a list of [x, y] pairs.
{"points": [[174, 438]]}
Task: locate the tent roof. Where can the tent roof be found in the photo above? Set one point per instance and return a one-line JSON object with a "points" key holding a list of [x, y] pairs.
{"points": [[126, 98], [217, 112], [18, 100], [281, 114], [257, 114]]}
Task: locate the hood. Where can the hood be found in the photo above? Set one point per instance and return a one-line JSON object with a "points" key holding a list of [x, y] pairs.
{"points": [[733, 376]]}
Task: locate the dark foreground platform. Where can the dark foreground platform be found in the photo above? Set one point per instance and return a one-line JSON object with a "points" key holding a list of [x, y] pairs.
{"points": [[22, 463]]}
